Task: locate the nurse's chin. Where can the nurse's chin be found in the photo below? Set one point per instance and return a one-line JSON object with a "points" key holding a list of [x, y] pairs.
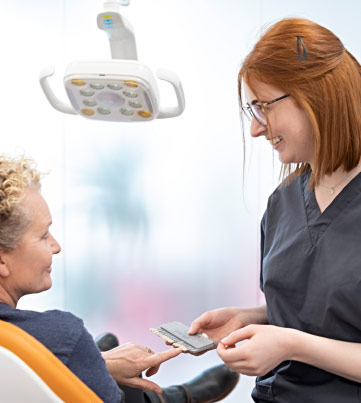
{"points": [[284, 159]]}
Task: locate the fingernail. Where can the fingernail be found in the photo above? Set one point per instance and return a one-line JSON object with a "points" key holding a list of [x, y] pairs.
{"points": [[224, 341]]}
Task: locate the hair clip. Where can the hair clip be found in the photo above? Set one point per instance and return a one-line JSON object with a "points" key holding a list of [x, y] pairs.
{"points": [[302, 55]]}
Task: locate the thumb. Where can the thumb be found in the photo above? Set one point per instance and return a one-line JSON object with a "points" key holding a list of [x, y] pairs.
{"points": [[202, 322], [195, 326], [239, 335]]}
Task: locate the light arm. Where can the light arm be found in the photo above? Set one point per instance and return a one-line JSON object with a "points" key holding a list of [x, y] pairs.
{"points": [[120, 33]]}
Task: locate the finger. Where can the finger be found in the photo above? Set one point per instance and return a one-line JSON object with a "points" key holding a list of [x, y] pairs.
{"points": [[247, 368], [230, 355], [170, 343], [194, 328], [159, 358], [239, 335], [152, 370], [148, 350], [241, 369], [201, 322], [144, 384]]}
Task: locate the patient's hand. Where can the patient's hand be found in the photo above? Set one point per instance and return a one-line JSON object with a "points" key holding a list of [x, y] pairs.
{"points": [[128, 361]]}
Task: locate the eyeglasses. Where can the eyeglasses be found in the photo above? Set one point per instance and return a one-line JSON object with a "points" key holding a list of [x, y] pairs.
{"points": [[256, 109]]}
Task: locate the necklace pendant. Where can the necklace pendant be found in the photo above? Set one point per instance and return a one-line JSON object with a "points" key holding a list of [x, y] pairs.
{"points": [[332, 191]]}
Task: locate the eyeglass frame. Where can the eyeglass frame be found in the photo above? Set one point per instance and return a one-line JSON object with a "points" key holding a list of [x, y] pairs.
{"points": [[247, 110]]}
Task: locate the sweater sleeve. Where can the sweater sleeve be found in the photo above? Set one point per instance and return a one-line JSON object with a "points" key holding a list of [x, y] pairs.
{"points": [[88, 364]]}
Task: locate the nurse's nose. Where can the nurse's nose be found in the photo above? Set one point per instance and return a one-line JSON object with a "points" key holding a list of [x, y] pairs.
{"points": [[257, 129]]}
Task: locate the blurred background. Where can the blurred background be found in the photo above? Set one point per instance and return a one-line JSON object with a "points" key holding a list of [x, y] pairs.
{"points": [[158, 221]]}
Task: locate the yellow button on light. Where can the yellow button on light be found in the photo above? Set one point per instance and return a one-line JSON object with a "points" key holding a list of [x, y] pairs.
{"points": [[87, 112], [130, 83], [78, 81], [144, 114]]}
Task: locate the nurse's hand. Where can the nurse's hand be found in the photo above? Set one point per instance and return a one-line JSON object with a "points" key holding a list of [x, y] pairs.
{"points": [[126, 362], [265, 348], [219, 323]]}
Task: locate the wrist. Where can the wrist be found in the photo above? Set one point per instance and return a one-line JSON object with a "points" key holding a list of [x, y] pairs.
{"points": [[293, 343], [104, 355], [257, 316], [108, 364]]}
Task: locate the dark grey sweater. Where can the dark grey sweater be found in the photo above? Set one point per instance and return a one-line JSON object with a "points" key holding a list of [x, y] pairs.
{"points": [[65, 336]]}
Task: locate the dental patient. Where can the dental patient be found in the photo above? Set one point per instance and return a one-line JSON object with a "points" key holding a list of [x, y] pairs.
{"points": [[26, 250]]}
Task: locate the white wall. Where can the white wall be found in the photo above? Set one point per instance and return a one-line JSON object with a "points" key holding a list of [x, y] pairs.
{"points": [[154, 219]]}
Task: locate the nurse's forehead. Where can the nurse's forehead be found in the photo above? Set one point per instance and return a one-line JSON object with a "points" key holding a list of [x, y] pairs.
{"points": [[264, 91]]}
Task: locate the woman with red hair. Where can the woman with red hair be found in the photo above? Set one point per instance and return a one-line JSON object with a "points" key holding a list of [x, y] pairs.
{"points": [[301, 90]]}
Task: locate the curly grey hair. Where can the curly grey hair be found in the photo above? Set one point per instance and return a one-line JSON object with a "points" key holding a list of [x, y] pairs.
{"points": [[16, 176]]}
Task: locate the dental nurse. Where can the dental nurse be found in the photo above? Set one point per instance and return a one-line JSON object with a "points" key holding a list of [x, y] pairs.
{"points": [[303, 95]]}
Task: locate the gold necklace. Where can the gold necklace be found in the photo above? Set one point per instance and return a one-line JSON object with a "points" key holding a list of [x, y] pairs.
{"points": [[332, 188]]}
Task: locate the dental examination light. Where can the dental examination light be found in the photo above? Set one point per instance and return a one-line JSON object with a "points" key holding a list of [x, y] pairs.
{"points": [[121, 89]]}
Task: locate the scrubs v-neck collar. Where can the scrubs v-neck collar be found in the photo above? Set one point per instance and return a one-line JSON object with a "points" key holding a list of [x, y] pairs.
{"points": [[318, 222]]}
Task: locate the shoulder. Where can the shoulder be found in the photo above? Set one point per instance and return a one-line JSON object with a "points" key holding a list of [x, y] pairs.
{"points": [[63, 318], [291, 186], [287, 196], [54, 321], [289, 189], [28, 319], [62, 323], [59, 331]]}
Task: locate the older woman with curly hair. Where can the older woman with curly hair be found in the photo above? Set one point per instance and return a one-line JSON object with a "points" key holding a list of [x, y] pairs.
{"points": [[26, 251]]}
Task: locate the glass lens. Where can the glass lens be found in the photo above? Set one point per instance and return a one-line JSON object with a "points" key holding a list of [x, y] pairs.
{"points": [[247, 112], [89, 102], [114, 86], [258, 113], [97, 86], [86, 92], [104, 110]]}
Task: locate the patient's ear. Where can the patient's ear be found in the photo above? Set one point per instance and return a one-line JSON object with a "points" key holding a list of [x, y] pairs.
{"points": [[4, 270]]}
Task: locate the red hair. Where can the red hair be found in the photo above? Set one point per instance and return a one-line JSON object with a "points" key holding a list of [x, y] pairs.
{"points": [[310, 63]]}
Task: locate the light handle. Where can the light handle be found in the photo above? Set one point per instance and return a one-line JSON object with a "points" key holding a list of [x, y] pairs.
{"points": [[172, 78], [54, 101]]}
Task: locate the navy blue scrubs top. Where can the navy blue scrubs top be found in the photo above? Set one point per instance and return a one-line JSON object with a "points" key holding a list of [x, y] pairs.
{"points": [[311, 277]]}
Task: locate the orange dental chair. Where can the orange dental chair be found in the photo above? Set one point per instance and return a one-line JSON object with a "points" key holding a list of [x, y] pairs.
{"points": [[29, 372]]}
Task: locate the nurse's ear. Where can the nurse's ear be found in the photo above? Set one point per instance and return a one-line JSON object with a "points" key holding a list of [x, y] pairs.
{"points": [[4, 270]]}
